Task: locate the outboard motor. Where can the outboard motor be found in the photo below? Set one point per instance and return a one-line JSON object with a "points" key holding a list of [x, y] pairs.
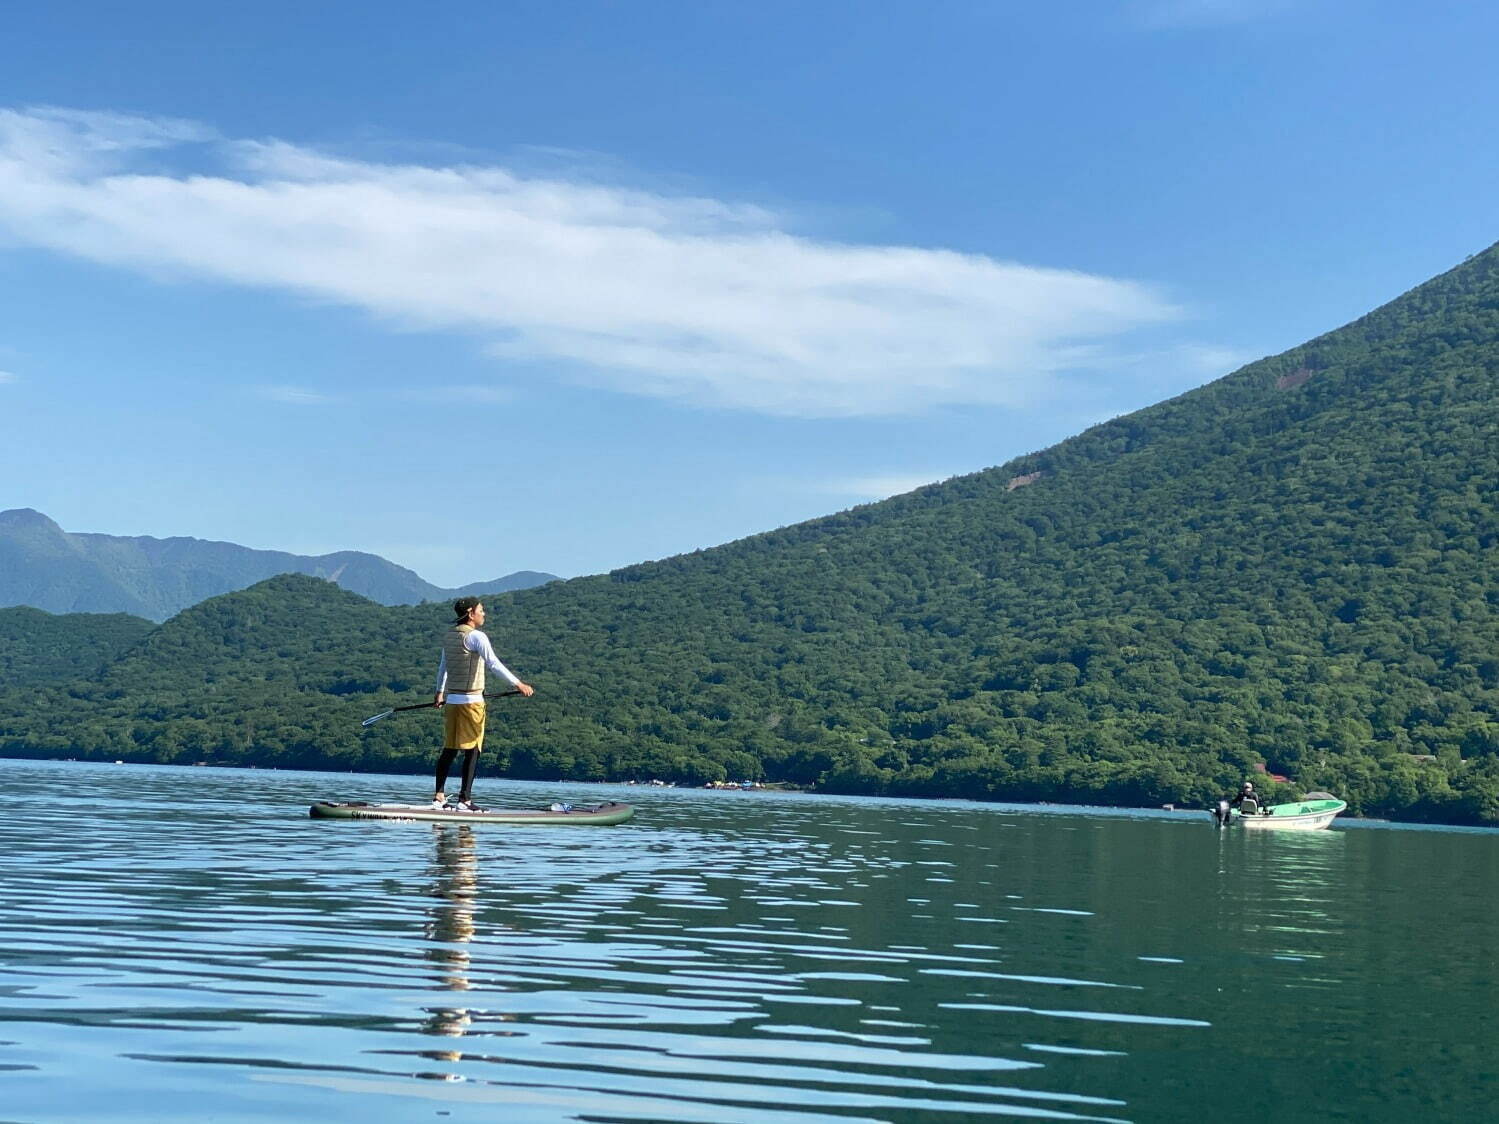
{"points": [[1222, 813]]}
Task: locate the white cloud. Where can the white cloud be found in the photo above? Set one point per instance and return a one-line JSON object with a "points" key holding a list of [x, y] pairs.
{"points": [[295, 395], [879, 486], [696, 299], [1139, 379], [6, 376], [1211, 360]]}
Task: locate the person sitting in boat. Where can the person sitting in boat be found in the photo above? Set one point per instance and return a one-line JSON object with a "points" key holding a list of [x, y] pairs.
{"points": [[1246, 799]]}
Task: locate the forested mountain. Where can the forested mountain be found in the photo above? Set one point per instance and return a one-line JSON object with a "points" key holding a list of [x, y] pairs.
{"points": [[1292, 568], [43, 566], [39, 649]]}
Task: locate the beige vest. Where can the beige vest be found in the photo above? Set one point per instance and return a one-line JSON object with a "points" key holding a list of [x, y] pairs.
{"points": [[465, 668]]}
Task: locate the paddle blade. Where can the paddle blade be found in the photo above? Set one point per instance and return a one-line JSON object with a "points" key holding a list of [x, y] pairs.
{"points": [[373, 718]]}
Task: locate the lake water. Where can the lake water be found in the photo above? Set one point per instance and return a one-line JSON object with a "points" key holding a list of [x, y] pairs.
{"points": [[189, 945]]}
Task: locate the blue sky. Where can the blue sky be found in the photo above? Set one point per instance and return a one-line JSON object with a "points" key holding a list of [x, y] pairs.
{"points": [[566, 286]]}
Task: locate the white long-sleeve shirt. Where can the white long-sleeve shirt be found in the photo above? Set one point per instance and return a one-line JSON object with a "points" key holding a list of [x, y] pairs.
{"points": [[478, 643]]}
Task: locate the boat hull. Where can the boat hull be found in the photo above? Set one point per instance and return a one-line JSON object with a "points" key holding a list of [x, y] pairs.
{"points": [[1289, 823], [584, 815]]}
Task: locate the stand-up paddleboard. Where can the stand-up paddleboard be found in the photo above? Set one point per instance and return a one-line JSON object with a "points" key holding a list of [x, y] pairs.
{"points": [[581, 815]]}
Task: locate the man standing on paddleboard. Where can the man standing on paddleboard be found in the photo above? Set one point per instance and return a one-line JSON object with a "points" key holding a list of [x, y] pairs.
{"points": [[466, 652]]}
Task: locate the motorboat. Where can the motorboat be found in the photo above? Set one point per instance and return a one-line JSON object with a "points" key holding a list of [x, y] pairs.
{"points": [[1301, 815]]}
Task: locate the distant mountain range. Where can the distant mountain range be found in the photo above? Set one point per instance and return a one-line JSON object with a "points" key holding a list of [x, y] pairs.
{"points": [[45, 567]]}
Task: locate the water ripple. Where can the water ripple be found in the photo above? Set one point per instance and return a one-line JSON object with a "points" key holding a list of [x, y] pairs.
{"points": [[778, 960]]}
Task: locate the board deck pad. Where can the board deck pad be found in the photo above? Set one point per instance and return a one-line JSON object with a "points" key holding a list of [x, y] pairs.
{"points": [[576, 815]]}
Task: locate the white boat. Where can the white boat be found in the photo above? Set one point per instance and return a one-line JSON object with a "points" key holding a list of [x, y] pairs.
{"points": [[1301, 815]]}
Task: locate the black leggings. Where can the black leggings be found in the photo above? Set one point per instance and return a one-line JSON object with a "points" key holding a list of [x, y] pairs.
{"points": [[470, 767]]}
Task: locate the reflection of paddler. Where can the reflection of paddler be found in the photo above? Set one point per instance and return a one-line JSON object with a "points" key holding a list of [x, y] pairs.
{"points": [[452, 928], [456, 886], [452, 923]]}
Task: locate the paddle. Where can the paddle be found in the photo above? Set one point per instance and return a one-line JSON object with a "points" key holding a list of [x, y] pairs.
{"points": [[373, 718]]}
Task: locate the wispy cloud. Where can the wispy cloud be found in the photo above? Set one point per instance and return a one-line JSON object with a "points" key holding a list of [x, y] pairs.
{"points": [[1211, 360], [295, 395], [477, 394], [700, 300], [6, 376], [879, 486]]}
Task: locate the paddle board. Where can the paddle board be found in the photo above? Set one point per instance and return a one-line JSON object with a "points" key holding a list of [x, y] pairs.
{"points": [[581, 815]]}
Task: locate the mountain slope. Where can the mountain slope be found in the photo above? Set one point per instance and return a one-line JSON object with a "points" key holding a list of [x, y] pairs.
{"points": [[39, 649], [1291, 568], [43, 566]]}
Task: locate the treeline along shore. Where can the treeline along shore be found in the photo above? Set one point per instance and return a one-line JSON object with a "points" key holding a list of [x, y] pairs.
{"points": [[1290, 570]]}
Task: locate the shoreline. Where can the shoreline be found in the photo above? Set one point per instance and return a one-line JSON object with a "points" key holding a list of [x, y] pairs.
{"points": [[1039, 807]]}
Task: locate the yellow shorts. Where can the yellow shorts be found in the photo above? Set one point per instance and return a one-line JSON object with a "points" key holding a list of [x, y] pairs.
{"points": [[463, 725]]}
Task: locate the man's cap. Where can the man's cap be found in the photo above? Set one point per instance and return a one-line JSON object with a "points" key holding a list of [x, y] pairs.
{"points": [[462, 606]]}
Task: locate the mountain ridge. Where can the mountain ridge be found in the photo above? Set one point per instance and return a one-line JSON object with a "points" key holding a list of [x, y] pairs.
{"points": [[45, 567]]}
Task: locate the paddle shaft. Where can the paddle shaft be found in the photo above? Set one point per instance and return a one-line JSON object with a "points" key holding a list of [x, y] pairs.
{"points": [[423, 706]]}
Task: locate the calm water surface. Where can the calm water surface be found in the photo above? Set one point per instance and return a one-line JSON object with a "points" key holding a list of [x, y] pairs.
{"points": [[188, 945]]}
